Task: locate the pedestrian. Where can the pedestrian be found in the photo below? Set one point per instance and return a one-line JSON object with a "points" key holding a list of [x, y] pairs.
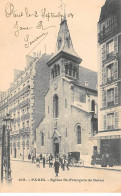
{"points": [[38, 162], [44, 162], [63, 164], [67, 164], [56, 166], [32, 159]]}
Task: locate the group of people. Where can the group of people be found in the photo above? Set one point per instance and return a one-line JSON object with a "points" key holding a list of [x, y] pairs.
{"points": [[56, 162]]}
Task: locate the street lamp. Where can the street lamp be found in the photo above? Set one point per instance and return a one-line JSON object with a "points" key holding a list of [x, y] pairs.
{"points": [[5, 159]]}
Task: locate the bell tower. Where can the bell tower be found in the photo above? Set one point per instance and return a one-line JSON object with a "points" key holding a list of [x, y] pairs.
{"points": [[64, 62]]}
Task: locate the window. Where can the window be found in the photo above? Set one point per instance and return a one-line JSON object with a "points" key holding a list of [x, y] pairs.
{"points": [[55, 71], [78, 134], [55, 106], [27, 109], [18, 113], [93, 105], [110, 121], [70, 70], [65, 103], [14, 127], [110, 73], [66, 132], [110, 97], [48, 109], [28, 123], [23, 111], [18, 126], [42, 139], [110, 47], [23, 124]]}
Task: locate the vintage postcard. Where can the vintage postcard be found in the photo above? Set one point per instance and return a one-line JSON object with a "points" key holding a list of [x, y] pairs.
{"points": [[60, 96]]}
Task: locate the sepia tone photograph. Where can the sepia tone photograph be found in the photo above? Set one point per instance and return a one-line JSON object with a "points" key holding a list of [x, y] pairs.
{"points": [[60, 96]]}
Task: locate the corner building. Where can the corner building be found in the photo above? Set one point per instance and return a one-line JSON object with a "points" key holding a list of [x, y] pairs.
{"points": [[109, 52], [24, 101], [70, 103]]}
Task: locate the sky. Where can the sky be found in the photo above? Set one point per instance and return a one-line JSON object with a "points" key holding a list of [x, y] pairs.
{"points": [[21, 24]]}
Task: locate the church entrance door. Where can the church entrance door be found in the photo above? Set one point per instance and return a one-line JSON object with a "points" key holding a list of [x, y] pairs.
{"points": [[55, 146]]}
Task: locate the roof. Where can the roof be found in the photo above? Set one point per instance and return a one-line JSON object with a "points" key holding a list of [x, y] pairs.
{"points": [[87, 78], [64, 42], [108, 9]]}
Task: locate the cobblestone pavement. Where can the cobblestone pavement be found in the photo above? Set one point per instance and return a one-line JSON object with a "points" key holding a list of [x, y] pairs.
{"points": [[28, 178]]}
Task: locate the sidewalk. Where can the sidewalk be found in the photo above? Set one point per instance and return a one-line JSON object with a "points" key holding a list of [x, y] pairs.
{"points": [[20, 159], [87, 164]]}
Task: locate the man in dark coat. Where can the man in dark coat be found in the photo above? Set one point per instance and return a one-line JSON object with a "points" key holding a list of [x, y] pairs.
{"points": [[56, 166]]}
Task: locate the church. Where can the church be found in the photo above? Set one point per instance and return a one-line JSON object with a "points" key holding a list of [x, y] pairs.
{"points": [[70, 102]]}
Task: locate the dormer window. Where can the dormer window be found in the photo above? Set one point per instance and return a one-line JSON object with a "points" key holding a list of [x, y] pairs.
{"points": [[59, 42]]}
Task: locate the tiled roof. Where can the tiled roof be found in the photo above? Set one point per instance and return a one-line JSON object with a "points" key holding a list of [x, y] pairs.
{"points": [[87, 78]]}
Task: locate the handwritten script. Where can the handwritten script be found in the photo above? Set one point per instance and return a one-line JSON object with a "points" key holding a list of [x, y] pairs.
{"points": [[43, 16]]}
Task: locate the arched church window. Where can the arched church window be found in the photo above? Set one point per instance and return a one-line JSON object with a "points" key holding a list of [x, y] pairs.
{"points": [[78, 134], [93, 105], [42, 139], [55, 106], [55, 71], [66, 69], [74, 72], [70, 69]]}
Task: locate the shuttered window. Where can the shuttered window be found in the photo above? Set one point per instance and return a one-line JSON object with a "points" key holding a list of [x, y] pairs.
{"points": [[116, 44], [104, 98], [116, 95], [104, 122], [116, 120], [115, 70], [103, 52]]}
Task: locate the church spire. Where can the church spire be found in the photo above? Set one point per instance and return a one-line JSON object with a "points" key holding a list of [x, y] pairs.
{"points": [[64, 43]]}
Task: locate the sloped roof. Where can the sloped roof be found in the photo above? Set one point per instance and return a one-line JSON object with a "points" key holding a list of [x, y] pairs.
{"points": [[87, 76], [108, 9], [64, 43]]}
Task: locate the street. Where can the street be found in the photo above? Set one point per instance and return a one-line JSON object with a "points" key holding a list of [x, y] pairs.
{"points": [[28, 178]]}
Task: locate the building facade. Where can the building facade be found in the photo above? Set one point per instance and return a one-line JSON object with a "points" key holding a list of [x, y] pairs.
{"points": [[70, 103], [24, 101], [109, 52]]}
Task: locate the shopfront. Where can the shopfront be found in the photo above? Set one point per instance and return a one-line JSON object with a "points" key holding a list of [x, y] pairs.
{"points": [[110, 143]]}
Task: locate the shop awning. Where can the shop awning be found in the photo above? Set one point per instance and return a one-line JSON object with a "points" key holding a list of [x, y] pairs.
{"points": [[107, 135]]}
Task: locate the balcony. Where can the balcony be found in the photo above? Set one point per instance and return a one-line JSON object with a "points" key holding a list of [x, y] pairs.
{"points": [[22, 104], [20, 82], [16, 120], [25, 116], [111, 103], [24, 90], [111, 127], [108, 32], [14, 132], [24, 130], [109, 80], [4, 106]]}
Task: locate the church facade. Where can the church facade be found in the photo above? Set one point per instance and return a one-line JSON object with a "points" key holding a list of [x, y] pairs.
{"points": [[70, 102]]}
